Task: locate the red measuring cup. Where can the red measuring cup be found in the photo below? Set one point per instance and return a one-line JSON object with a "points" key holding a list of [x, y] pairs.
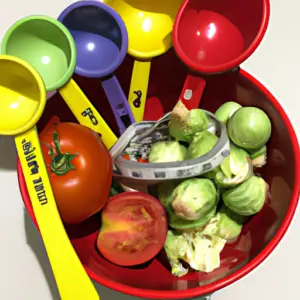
{"points": [[216, 36]]}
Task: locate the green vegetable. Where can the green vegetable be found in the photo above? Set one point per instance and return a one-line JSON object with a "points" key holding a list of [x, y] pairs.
{"points": [[247, 198], [193, 198], [168, 151], [225, 111], [235, 168], [202, 143], [190, 226], [201, 252], [185, 123], [204, 255], [115, 188], [165, 190], [249, 128], [259, 157], [176, 247], [226, 224]]}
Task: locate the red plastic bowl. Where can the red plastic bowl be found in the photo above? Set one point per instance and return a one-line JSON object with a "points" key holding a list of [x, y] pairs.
{"points": [[259, 237], [216, 36]]}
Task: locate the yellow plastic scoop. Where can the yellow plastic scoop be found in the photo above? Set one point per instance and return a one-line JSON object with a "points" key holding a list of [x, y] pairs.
{"points": [[22, 101], [48, 46], [149, 25]]}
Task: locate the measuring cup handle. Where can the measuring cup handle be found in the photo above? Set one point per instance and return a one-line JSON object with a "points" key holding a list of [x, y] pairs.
{"points": [[139, 88], [192, 91], [86, 113], [118, 103], [71, 278]]}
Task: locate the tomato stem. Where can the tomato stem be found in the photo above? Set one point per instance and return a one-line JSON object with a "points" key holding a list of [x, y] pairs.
{"points": [[61, 162]]}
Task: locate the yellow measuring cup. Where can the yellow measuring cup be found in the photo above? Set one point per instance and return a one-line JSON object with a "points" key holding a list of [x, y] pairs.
{"points": [[48, 46], [22, 101], [149, 25]]}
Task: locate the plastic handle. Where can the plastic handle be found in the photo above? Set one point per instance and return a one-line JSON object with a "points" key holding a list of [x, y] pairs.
{"points": [[118, 103], [71, 278], [192, 91], [85, 113], [138, 88]]}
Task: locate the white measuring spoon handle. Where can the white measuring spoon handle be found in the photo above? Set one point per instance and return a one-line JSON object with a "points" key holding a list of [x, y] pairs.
{"points": [[72, 281]]}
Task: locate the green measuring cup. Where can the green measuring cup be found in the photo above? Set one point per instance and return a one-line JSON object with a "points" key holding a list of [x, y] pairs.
{"points": [[48, 46]]}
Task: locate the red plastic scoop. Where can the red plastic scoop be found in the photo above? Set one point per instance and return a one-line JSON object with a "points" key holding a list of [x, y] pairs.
{"points": [[153, 109], [214, 36]]}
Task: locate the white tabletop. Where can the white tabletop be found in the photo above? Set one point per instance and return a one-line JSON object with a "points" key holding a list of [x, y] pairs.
{"points": [[24, 270]]}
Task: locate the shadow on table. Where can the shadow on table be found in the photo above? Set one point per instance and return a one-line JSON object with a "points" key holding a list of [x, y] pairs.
{"points": [[8, 153], [36, 244]]}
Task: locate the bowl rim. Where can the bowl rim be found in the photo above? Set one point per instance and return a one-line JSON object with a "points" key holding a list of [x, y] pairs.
{"points": [[246, 269], [266, 7]]}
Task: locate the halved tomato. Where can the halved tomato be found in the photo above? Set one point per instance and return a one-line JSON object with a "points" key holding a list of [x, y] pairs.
{"points": [[134, 229]]}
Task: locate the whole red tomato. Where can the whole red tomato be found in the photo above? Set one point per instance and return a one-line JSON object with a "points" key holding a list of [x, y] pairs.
{"points": [[79, 167]]}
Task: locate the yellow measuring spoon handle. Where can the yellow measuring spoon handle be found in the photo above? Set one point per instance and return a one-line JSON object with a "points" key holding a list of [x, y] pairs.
{"points": [[85, 113], [72, 281], [138, 88]]}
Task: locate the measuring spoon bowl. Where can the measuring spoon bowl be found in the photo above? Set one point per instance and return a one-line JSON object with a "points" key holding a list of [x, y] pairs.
{"points": [[149, 25], [22, 102], [49, 47], [213, 37], [46, 45], [101, 40]]}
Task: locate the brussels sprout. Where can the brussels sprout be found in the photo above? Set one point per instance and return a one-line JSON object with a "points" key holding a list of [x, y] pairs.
{"points": [[225, 111], [193, 198], [202, 143], [167, 151], [248, 198], [226, 224], [234, 169], [185, 123], [201, 252], [212, 174], [165, 190], [190, 226], [176, 247], [249, 128], [204, 255], [259, 157]]}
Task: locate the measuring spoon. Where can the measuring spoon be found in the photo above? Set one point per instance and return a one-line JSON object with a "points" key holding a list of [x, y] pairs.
{"points": [[149, 25], [23, 99], [216, 36], [101, 42], [48, 46]]}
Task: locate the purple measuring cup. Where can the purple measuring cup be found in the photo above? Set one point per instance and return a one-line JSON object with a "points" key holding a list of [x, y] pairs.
{"points": [[101, 42]]}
